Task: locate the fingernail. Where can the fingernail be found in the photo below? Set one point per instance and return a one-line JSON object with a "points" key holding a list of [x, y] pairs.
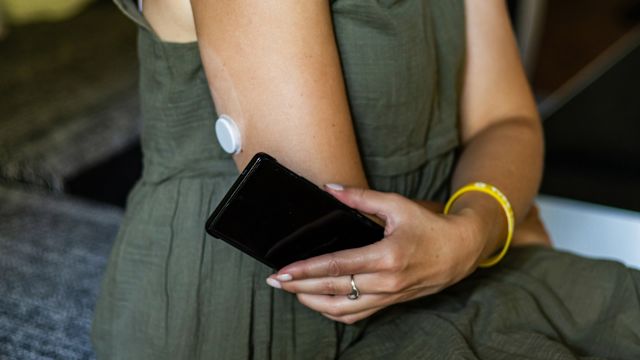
{"points": [[336, 187], [274, 283], [284, 277]]}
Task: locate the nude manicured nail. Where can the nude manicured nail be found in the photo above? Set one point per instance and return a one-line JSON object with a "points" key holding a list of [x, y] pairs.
{"points": [[284, 277], [336, 187], [274, 283]]}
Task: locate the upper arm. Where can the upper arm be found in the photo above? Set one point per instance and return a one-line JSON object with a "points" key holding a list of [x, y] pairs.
{"points": [[273, 66], [495, 86]]}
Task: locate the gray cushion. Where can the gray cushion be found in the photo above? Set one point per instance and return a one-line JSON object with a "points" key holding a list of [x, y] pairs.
{"points": [[53, 251], [68, 96]]}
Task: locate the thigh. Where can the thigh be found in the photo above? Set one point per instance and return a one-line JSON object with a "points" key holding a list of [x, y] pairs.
{"points": [[538, 303]]}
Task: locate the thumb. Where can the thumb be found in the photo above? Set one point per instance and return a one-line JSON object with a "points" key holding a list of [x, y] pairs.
{"points": [[383, 205]]}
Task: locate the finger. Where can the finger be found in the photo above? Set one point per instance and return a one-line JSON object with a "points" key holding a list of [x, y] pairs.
{"points": [[366, 259], [353, 318], [375, 283], [382, 204], [339, 305], [340, 285]]}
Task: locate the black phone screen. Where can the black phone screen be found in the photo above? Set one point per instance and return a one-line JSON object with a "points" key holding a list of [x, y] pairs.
{"points": [[279, 217]]}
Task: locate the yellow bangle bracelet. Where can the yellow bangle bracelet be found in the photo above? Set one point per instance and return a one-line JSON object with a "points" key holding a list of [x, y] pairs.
{"points": [[506, 206]]}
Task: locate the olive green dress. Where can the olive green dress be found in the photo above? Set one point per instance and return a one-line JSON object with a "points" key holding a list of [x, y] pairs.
{"points": [[173, 292]]}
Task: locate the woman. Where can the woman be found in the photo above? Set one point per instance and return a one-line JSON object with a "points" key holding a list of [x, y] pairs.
{"points": [[412, 99]]}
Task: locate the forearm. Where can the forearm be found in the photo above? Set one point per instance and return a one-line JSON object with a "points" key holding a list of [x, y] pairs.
{"points": [[499, 126], [508, 155]]}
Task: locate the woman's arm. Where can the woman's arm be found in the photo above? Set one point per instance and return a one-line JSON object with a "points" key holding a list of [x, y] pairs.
{"points": [[500, 127], [273, 66], [424, 252]]}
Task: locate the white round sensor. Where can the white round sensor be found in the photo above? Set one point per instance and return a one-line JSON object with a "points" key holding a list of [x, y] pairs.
{"points": [[228, 134]]}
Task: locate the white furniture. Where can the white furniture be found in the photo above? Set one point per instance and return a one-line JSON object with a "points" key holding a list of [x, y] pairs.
{"points": [[592, 230]]}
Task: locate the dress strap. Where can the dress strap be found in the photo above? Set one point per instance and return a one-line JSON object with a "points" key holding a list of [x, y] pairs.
{"points": [[133, 10]]}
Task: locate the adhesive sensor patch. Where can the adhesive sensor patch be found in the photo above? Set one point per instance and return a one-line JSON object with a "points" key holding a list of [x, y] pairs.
{"points": [[228, 134]]}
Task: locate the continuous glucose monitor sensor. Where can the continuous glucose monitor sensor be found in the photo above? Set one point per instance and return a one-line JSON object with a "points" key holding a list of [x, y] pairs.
{"points": [[228, 134]]}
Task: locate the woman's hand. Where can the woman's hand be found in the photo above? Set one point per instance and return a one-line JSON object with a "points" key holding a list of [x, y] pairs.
{"points": [[422, 253]]}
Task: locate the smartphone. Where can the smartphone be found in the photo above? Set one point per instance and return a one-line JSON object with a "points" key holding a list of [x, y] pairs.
{"points": [[279, 217]]}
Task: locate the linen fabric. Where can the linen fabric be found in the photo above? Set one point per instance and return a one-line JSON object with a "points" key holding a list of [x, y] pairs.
{"points": [[173, 292]]}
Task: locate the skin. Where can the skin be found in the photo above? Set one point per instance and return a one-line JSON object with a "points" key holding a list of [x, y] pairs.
{"points": [[274, 67], [172, 20]]}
